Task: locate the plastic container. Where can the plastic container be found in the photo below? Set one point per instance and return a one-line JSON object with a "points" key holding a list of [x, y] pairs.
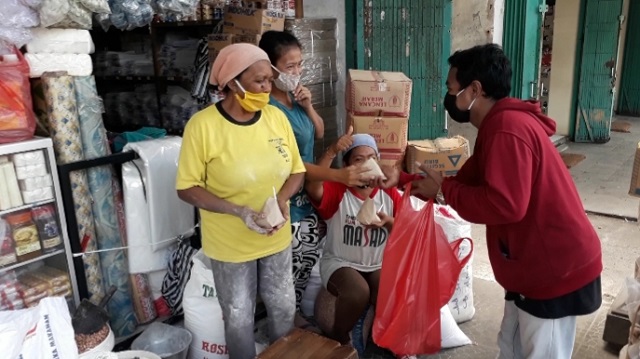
{"points": [[130, 354], [25, 236], [164, 340], [48, 228], [135, 354]]}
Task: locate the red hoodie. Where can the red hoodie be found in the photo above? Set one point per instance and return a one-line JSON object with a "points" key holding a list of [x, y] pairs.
{"points": [[541, 243]]}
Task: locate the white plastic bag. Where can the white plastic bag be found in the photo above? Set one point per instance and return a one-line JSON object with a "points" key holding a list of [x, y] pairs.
{"points": [[41, 332], [452, 335], [308, 302], [15, 14], [461, 304], [203, 314]]}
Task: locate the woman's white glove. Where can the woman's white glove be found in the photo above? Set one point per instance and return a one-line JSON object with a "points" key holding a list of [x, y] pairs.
{"points": [[249, 217]]}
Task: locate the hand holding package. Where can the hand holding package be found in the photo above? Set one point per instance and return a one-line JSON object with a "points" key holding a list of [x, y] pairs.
{"points": [[367, 214], [373, 169], [273, 216]]}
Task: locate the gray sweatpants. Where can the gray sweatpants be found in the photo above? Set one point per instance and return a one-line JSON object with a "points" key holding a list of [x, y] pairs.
{"points": [[237, 284]]}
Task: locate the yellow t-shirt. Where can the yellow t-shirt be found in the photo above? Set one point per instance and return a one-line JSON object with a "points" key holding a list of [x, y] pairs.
{"points": [[240, 163]]}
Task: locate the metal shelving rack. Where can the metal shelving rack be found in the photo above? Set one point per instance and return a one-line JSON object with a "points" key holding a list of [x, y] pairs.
{"points": [[63, 258]]}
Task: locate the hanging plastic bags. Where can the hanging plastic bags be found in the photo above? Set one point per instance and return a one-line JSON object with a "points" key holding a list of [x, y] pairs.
{"points": [[419, 274], [17, 120]]}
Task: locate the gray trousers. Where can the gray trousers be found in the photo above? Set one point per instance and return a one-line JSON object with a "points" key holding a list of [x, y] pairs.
{"points": [[237, 285], [523, 336]]}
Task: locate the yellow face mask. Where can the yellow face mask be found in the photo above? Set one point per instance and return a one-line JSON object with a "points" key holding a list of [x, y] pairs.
{"points": [[252, 102]]}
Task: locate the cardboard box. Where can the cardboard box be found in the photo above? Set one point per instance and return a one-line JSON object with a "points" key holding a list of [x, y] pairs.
{"points": [[445, 155], [244, 21], [390, 132], [217, 42], [634, 188], [394, 159], [378, 93]]}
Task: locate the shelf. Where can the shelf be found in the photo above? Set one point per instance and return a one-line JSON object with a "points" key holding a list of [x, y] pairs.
{"points": [[139, 79], [34, 260], [186, 23], [26, 206]]}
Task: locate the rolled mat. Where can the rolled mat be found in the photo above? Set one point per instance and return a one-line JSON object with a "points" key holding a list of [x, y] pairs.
{"points": [[115, 270], [62, 115]]}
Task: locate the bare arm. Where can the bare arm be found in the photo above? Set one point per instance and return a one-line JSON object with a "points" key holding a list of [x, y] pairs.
{"points": [[291, 186], [203, 199], [303, 96], [318, 122], [318, 174]]}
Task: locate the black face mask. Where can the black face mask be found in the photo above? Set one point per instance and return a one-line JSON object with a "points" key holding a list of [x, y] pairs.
{"points": [[453, 110]]}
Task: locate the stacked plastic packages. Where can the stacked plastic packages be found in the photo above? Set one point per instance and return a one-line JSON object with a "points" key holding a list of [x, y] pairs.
{"points": [[319, 50], [71, 14]]}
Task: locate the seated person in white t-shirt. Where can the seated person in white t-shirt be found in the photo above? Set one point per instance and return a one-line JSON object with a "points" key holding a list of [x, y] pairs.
{"points": [[352, 257]]}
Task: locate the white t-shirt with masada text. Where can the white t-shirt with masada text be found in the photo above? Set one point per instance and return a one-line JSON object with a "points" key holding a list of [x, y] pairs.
{"points": [[349, 243]]}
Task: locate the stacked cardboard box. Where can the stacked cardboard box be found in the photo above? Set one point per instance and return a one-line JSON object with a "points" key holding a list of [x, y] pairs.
{"points": [[318, 37], [445, 155], [379, 103], [245, 24]]}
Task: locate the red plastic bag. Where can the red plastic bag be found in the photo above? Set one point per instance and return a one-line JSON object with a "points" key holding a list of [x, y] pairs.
{"points": [[419, 273], [17, 120]]}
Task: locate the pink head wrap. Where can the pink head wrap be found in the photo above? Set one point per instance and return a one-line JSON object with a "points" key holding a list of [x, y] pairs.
{"points": [[232, 60]]}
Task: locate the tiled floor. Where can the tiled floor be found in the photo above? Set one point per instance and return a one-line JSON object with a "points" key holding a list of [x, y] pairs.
{"points": [[603, 177]]}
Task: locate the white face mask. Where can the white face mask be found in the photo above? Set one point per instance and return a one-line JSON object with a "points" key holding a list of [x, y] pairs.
{"points": [[286, 82]]}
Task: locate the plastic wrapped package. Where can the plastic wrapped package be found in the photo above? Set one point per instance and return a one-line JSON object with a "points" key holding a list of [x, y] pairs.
{"points": [[16, 14], [78, 17], [17, 36], [72, 64], [176, 7], [34, 4], [323, 95], [302, 27], [28, 158], [97, 6], [17, 120], [60, 41], [53, 11], [129, 14], [320, 67]]}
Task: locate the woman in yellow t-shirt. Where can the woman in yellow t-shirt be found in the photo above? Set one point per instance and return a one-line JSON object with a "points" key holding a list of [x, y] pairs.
{"points": [[235, 155]]}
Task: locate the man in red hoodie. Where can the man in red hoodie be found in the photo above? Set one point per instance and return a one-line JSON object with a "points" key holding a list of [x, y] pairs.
{"points": [[542, 247]]}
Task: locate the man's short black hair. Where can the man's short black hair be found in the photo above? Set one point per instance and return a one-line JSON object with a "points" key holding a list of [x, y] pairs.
{"points": [[277, 43], [487, 64]]}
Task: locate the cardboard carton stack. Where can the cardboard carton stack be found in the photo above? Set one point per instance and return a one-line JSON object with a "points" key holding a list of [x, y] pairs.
{"points": [[318, 38], [445, 155], [245, 24], [379, 103]]}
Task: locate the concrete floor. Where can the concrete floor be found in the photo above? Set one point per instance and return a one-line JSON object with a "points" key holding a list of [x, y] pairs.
{"points": [[621, 247]]}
